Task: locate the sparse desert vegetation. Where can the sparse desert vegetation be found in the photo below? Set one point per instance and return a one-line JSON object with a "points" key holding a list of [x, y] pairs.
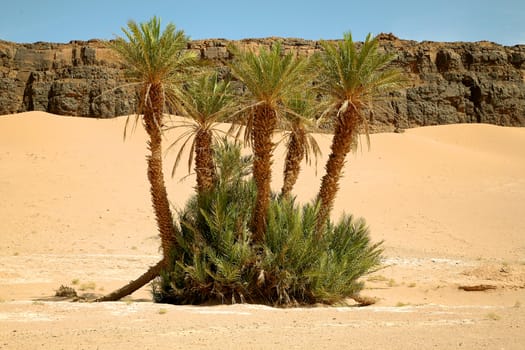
{"points": [[236, 241], [435, 200]]}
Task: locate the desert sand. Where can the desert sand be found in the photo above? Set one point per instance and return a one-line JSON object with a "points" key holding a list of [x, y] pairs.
{"points": [[448, 201]]}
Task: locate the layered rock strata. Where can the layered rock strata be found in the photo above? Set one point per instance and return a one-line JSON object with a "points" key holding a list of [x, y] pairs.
{"points": [[480, 82]]}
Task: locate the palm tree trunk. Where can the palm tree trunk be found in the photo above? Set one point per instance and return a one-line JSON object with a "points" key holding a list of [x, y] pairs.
{"points": [[344, 133], [204, 165], [292, 165], [133, 286], [159, 196], [264, 123]]}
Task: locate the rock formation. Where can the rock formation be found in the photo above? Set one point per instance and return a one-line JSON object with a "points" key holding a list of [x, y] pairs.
{"points": [[480, 82]]}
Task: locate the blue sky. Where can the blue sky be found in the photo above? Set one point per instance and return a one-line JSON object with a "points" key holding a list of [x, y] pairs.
{"points": [[501, 21]]}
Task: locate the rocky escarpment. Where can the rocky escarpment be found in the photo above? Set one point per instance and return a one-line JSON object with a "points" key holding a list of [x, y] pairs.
{"points": [[449, 82], [79, 78]]}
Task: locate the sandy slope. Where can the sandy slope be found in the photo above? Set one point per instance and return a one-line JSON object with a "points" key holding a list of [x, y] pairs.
{"points": [[448, 201]]}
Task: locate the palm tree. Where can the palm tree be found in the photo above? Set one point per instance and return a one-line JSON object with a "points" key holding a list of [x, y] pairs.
{"points": [[352, 79], [271, 78], [299, 122], [206, 102], [155, 61]]}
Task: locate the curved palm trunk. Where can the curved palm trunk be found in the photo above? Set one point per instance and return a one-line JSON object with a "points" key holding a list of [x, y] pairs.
{"points": [[134, 285], [292, 165], [264, 123], [204, 165], [152, 123], [344, 133], [159, 196]]}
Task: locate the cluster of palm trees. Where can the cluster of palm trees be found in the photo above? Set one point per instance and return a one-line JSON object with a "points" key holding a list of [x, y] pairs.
{"points": [[283, 92]]}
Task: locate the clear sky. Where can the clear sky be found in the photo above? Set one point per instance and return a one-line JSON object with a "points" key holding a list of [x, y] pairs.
{"points": [[501, 21]]}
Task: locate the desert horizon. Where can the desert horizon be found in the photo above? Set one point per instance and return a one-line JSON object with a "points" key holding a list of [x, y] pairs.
{"points": [[446, 200]]}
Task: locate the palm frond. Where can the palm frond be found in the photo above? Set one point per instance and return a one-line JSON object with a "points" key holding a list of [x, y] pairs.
{"points": [[270, 77], [133, 128], [155, 56], [188, 137], [355, 78]]}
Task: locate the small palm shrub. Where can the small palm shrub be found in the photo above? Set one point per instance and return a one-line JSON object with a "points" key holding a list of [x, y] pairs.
{"points": [[214, 252], [300, 266], [217, 261]]}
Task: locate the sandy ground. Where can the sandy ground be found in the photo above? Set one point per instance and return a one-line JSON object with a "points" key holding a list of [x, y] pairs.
{"points": [[448, 201]]}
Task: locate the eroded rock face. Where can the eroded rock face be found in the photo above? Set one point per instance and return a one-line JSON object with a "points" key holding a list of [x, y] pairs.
{"points": [[79, 79], [450, 82]]}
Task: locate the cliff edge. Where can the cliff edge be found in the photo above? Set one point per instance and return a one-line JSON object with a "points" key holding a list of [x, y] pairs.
{"points": [[459, 82]]}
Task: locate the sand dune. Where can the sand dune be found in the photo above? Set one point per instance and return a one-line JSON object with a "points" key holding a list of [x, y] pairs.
{"points": [[448, 201]]}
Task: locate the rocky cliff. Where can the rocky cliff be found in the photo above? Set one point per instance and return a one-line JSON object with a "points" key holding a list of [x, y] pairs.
{"points": [[480, 82]]}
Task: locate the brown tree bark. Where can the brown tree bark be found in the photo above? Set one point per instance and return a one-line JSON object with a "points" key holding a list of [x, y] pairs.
{"points": [[344, 133], [134, 285], [204, 165], [153, 114], [292, 165], [264, 123]]}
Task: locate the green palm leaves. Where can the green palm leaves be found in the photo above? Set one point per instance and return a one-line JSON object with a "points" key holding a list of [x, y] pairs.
{"points": [[154, 55], [353, 77], [270, 76]]}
